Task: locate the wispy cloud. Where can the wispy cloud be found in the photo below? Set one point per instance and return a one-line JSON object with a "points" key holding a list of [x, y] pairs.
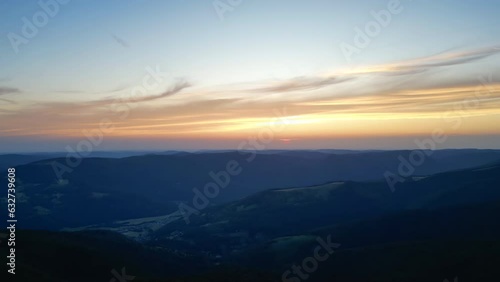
{"points": [[120, 41], [303, 83], [178, 87], [8, 90], [175, 89], [427, 63], [310, 100], [68, 91], [8, 101]]}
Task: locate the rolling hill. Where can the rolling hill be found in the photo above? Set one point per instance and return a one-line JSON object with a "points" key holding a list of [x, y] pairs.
{"points": [[102, 190]]}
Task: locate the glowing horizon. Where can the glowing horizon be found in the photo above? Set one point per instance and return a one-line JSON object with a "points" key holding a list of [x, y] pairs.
{"points": [[51, 95]]}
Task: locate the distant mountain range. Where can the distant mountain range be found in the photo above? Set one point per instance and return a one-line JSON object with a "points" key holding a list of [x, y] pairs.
{"points": [[439, 224], [154, 185]]}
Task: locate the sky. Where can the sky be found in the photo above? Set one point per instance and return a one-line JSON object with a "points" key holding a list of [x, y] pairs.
{"points": [[189, 75]]}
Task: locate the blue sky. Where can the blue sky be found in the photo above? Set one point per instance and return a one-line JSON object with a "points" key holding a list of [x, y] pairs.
{"points": [[92, 50]]}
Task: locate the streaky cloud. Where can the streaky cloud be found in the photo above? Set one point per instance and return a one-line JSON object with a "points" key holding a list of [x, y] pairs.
{"points": [[426, 63], [9, 90], [120, 41], [303, 83], [8, 101]]}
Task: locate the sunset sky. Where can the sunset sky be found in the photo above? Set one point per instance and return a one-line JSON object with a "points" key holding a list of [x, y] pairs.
{"points": [[223, 76]]}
